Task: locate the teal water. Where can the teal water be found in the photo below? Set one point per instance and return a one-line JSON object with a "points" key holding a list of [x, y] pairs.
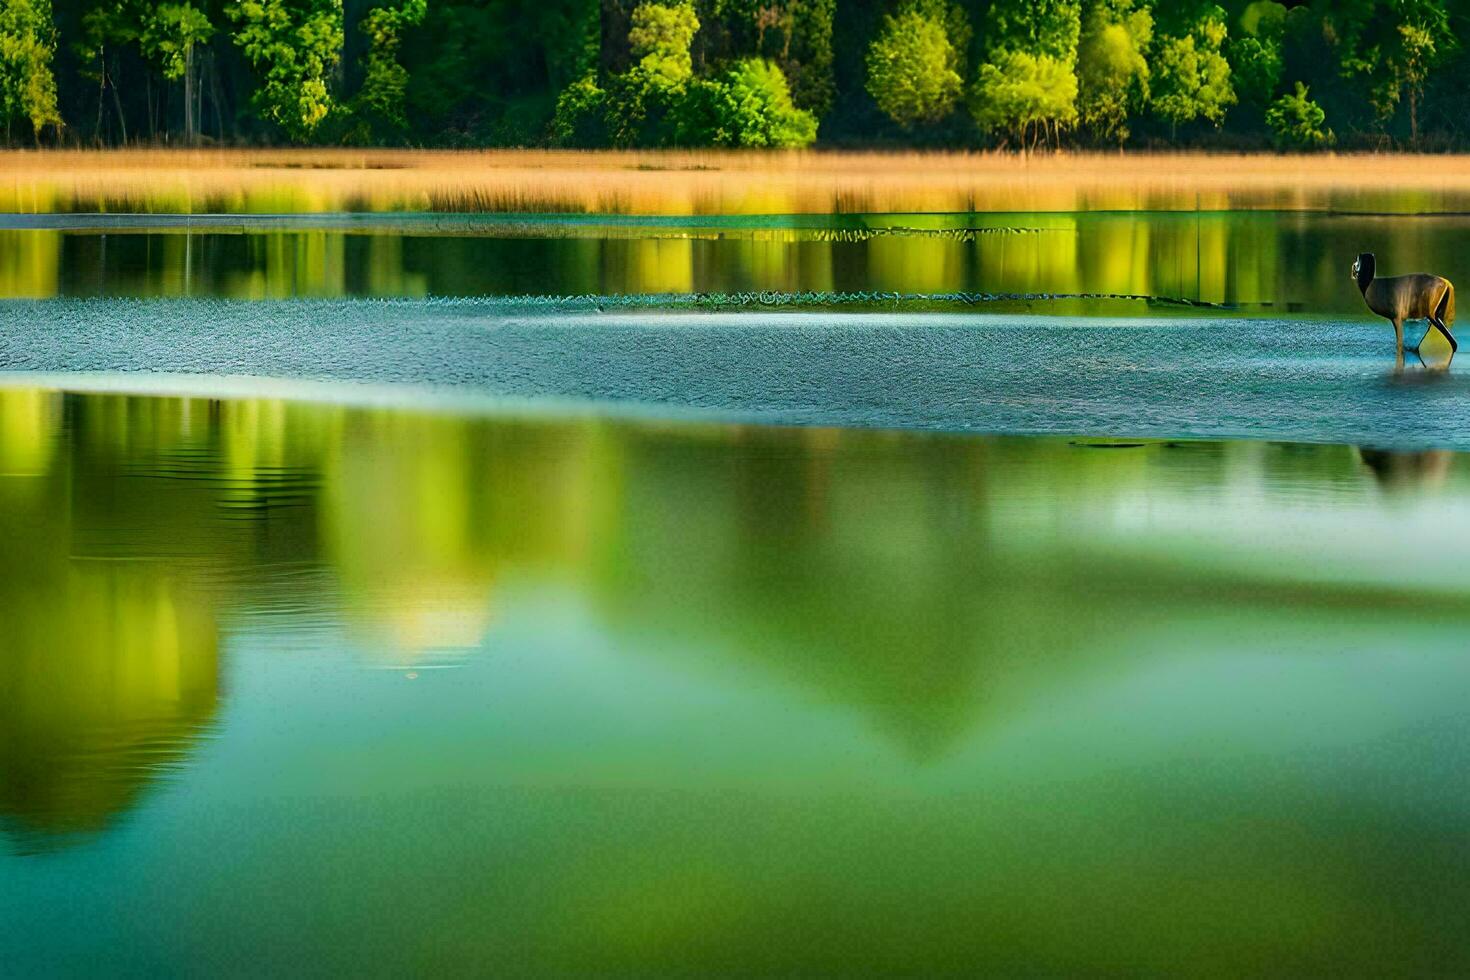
{"points": [[1324, 379], [297, 687]]}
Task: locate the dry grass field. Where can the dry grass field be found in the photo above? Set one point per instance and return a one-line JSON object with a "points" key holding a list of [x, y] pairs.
{"points": [[707, 182]]}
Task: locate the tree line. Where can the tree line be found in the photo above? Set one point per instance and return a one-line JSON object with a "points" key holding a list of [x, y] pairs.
{"points": [[739, 73]]}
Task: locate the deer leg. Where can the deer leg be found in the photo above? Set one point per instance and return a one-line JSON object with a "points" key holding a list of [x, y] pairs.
{"points": [[1454, 345], [1414, 348], [1398, 337]]}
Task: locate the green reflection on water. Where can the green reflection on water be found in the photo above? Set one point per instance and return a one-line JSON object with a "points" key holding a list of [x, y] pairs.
{"points": [[1255, 260], [691, 698]]}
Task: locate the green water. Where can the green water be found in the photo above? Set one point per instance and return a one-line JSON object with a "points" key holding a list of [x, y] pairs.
{"points": [[303, 687], [1269, 261]]}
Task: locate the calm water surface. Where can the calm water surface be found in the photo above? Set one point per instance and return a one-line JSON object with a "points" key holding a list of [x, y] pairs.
{"points": [[1281, 261], [294, 686]]}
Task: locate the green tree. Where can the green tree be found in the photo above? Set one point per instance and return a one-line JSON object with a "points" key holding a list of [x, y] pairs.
{"points": [[1395, 49], [1029, 96], [660, 39], [488, 72], [749, 106], [106, 29], [294, 47], [1042, 27], [168, 35], [915, 63], [1255, 64], [795, 34], [1296, 122], [1112, 70], [1256, 53], [379, 105], [643, 102], [1191, 75], [807, 61], [1422, 44], [581, 114], [27, 46], [1027, 86]]}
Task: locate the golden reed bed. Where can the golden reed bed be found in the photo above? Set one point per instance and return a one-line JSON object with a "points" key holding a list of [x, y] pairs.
{"points": [[689, 182]]}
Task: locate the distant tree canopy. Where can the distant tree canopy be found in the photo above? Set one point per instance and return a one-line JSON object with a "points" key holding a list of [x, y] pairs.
{"points": [[1027, 85], [1112, 67], [914, 63], [739, 73], [27, 85], [1191, 76]]}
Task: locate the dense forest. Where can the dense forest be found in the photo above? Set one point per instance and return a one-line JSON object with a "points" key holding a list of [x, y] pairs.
{"points": [[743, 73]]}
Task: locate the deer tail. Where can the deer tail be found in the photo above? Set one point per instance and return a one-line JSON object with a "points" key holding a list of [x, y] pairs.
{"points": [[1447, 304]]}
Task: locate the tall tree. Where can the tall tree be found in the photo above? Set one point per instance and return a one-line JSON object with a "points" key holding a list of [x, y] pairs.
{"points": [[27, 46], [807, 60], [1029, 96], [1191, 75], [916, 63], [168, 36], [294, 47], [1027, 84], [105, 29], [1112, 67], [795, 34], [1394, 46], [488, 72], [380, 101], [1255, 52]]}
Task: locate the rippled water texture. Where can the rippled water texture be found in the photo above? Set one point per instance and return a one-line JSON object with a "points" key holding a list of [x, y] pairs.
{"points": [[1322, 380], [296, 686]]}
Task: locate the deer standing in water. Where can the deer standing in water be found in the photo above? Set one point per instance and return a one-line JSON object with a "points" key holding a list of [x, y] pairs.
{"points": [[1420, 296]]}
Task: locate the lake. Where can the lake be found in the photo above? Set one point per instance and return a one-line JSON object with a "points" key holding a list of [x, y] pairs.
{"points": [[1039, 592], [1248, 261]]}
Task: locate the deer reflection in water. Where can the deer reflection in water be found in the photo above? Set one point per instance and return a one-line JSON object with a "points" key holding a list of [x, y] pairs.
{"points": [[1398, 470]]}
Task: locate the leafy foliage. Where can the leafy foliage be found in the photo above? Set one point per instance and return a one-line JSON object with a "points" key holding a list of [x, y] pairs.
{"points": [[659, 102], [581, 113], [1027, 86], [380, 101], [660, 41], [294, 45], [1296, 121], [1112, 67], [1024, 94], [1042, 27], [914, 66], [705, 72], [1192, 77], [750, 106], [27, 45], [1393, 47]]}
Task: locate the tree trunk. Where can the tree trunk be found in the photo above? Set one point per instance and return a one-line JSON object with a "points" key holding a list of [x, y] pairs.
{"points": [[1414, 117], [214, 99], [101, 94], [189, 95], [122, 122]]}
